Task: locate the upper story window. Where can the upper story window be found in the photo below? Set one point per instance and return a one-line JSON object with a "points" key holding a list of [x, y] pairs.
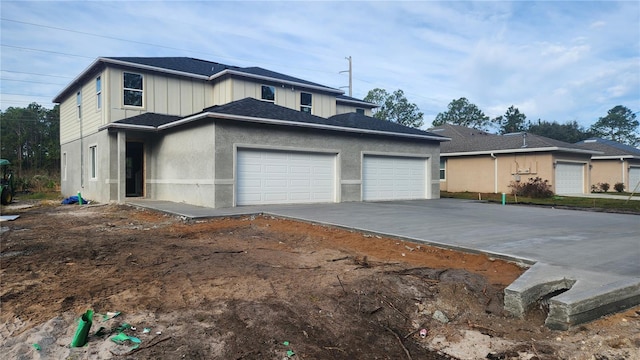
{"points": [[132, 89], [305, 102], [360, 111], [443, 169], [99, 92], [79, 104], [268, 93]]}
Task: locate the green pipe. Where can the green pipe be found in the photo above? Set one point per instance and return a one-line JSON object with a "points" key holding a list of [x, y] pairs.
{"points": [[79, 198], [84, 325], [504, 198]]}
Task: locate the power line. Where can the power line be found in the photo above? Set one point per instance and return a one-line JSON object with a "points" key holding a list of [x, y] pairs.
{"points": [[46, 51], [41, 96], [29, 73], [30, 81]]}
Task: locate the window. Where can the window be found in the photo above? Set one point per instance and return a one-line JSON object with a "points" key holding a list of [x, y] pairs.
{"points": [[360, 111], [64, 166], [132, 89], [268, 93], [93, 153], [305, 102], [443, 168], [99, 92], [79, 104]]}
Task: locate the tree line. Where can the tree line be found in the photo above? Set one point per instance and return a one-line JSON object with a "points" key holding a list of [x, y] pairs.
{"points": [[619, 124], [30, 139]]}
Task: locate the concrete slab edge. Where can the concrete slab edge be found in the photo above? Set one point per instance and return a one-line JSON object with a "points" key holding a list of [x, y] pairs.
{"points": [[571, 309]]}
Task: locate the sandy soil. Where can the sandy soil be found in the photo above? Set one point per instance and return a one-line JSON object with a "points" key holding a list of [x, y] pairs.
{"points": [[263, 288]]}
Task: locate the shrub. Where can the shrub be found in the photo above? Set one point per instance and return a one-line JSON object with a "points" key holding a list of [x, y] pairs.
{"points": [[619, 187], [534, 188], [604, 187]]}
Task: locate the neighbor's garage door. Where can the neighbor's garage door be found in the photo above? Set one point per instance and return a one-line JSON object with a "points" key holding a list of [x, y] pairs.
{"points": [[393, 178], [569, 178], [281, 177], [634, 178]]}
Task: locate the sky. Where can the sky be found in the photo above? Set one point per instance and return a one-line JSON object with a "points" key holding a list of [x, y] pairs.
{"points": [[553, 60]]}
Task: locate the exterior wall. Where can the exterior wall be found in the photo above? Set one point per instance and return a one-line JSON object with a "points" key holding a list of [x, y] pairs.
{"points": [[161, 94], [180, 165], [322, 105], [78, 168], [350, 149], [345, 109], [70, 125], [612, 171], [478, 173]]}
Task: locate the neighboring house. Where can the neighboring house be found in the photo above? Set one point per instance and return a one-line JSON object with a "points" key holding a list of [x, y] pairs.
{"points": [[477, 161], [617, 163], [204, 133]]}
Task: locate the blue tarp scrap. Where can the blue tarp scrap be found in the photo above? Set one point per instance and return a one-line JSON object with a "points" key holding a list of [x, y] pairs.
{"points": [[74, 200]]}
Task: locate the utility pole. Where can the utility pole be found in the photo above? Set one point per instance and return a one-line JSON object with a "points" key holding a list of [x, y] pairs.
{"points": [[350, 77]]}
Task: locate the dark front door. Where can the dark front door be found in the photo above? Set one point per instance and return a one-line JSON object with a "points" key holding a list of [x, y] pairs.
{"points": [[135, 168]]}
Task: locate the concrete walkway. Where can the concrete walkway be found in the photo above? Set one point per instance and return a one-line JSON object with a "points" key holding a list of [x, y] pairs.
{"points": [[635, 197], [595, 255]]}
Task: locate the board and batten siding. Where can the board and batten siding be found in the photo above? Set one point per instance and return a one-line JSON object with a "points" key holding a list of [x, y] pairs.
{"points": [[92, 117], [345, 109], [161, 94], [287, 96]]}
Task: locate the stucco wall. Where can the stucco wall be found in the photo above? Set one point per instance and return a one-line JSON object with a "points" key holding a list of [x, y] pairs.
{"points": [[78, 167], [180, 165], [612, 171]]}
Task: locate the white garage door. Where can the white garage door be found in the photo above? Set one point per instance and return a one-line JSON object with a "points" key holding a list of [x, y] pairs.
{"points": [[569, 178], [281, 177], [393, 178], [634, 178]]}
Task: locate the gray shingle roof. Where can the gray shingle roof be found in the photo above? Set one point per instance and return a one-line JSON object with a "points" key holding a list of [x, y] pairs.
{"points": [[609, 147], [253, 108], [464, 139], [149, 119], [208, 68]]}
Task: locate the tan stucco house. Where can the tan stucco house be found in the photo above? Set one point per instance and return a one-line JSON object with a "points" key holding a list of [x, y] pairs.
{"points": [[617, 163], [477, 161], [204, 133]]}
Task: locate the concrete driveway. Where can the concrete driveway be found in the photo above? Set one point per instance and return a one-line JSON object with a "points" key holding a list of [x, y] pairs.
{"points": [[595, 256]]}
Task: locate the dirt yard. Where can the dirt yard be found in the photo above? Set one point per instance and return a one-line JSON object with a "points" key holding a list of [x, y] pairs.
{"points": [[258, 287]]}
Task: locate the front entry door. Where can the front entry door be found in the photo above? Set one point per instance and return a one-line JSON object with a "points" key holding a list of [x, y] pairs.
{"points": [[135, 168]]}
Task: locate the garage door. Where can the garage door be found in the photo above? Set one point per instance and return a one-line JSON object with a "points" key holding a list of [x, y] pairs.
{"points": [[569, 178], [393, 178], [281, 177], [634, 179]]}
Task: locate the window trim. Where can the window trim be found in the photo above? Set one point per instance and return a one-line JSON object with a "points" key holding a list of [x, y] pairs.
{"points": [[93, 158], [303, 106], [79, 104], [125, 89], [262, 93], [360, 111], [443, 169], [64, 166], [99, 92]]}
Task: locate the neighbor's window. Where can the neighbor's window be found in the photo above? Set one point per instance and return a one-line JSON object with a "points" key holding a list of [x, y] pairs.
{"points": [[79, 104], [443, 168], [133, 89], [305, 102], [93, 153], [64, 166], [360, 111], [268, 93], [99, 92]]}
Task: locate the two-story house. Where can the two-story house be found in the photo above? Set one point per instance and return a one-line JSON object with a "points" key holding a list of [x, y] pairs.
{"points": [[204, 133]]}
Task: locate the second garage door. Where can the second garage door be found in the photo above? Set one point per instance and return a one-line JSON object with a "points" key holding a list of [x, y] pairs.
{"points": [[634, 179], [393, 178], [284, 177], [569, 178]]}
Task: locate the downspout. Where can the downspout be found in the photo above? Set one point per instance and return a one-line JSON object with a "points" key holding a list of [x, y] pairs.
{"points": [[622, 163], [495, 173]]}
